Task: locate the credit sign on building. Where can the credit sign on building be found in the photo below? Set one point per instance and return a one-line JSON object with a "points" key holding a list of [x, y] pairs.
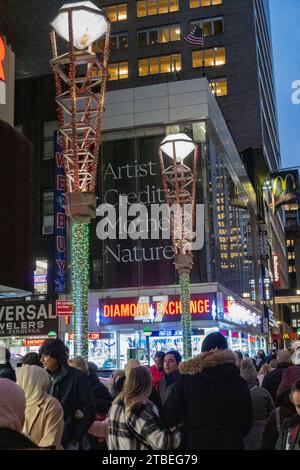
{"points": [[27, 318]]}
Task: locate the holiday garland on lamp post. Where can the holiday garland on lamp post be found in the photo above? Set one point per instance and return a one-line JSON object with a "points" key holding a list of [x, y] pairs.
{"points": [[80, 80], [179, 182]]}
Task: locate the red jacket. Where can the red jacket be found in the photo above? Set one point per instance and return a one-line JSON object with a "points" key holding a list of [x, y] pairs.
{"points": [[156, 376]]}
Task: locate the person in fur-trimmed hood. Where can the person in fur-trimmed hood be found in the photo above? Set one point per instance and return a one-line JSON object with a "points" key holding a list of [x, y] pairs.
{"points": [[211, 399]]}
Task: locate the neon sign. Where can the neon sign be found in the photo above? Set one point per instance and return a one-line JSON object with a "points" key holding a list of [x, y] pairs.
{"points": [[33, 342], [276, 271], [165, 308], [153, 309], [239, 314], [2, 58]]}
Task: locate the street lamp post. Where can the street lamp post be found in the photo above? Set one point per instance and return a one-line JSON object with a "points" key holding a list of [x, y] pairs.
{"points": [[179, 182], [80, 80]]}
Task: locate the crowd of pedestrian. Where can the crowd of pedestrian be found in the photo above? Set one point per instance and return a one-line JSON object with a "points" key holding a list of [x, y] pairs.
{"points": [[219, 399]]}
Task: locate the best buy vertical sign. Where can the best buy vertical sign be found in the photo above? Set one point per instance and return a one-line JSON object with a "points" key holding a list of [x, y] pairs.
{"points": [[2, 73]]}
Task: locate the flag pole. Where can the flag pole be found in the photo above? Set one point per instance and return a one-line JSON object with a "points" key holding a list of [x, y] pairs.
{"points": [[203, 63]]}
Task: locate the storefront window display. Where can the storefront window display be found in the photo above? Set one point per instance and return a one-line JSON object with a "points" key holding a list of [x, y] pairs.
{"points": [[235, 341], [244, 343], [102, 351]]}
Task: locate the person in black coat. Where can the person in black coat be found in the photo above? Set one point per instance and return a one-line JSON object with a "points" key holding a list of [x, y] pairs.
{"points": [[211, 399], [72, 389], [272, 380], [6, 370], [171, 363], [260, 359], [102, 397]]}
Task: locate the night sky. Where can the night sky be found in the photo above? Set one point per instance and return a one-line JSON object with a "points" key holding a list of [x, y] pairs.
{"points": [[285, 17]]}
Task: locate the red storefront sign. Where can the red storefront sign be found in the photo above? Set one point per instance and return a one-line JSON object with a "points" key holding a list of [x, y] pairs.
{"points": [[2, 57], [33, 342], [292, 336], [64, 307], [91, 336]]}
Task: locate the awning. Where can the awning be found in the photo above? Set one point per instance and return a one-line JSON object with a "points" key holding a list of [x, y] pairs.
{"points": [[12, 292]]}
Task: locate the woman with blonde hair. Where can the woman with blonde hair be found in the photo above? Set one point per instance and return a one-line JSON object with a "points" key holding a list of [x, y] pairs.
{"points": [[263, 371], [134, 422]]}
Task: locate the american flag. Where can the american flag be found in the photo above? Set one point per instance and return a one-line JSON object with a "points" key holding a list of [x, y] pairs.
{"points": [[195, 37]]}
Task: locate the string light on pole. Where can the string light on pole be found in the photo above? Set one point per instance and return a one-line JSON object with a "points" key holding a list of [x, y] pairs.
{"points": [[80, 80]]}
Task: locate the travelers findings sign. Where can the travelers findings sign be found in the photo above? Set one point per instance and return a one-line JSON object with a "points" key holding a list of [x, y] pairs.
{"points": [[27, 318]]}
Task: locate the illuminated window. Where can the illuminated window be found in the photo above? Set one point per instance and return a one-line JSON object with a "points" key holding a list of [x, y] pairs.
{"points": [[212, 57], [156, 7], [292, 269], [48, 212], [290, 243], [219, 86], [163, 64], [158, 35], [209, 26], [291, 255], [204, 3], [118, 71], [117, 12], [41, 276]]}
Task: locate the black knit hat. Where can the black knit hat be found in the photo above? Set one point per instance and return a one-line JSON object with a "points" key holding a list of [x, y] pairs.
{"points": [[213, 341], [55, 348]]}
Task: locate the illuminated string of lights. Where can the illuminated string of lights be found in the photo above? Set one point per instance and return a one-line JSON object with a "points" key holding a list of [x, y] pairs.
{"points": [[80, 286], [184, 281]]}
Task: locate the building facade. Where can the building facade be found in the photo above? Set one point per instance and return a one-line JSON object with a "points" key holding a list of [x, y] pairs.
{"points": [[148, 49]]}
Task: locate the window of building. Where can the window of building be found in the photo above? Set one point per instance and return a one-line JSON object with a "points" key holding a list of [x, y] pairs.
{"points": [[290, 242], [160, 35], [209, 26], [48, 138], [117, 12], [41, 276], [219, 86], [212, 57], [118, 41], [204, 3], [156, 7], [118, 71], [48, 212], [163, 64], [292, 269], [291, 255]]}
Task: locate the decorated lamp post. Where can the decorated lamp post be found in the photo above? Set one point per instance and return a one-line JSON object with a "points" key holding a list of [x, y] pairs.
{"points": [[179, 182], [80, 80]]}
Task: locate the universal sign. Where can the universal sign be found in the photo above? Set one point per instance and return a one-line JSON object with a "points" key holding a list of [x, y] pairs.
{"points": [[27, 319]]}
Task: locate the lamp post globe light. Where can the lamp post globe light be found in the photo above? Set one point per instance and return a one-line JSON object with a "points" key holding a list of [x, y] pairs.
{"points": [[80, 80], [179, 183]]}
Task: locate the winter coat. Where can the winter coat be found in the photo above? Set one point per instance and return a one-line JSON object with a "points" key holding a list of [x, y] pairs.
{"points": [[272, 380], [101, 394], [166, 384], [44, 416], [157, 375], [10, 439], [140, 429], [262, 406], [7, 372], [213, 402], [273, 426], [72, 389], [259, 362], [289, 438]]}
